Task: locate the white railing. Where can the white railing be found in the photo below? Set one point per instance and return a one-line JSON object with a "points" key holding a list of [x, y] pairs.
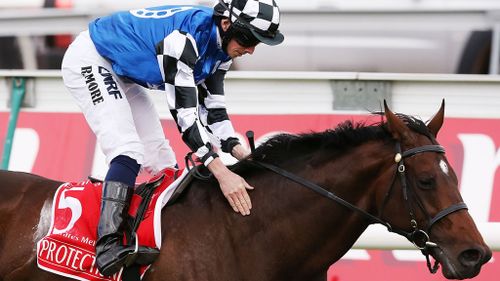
{"points": [[476, 96], [377, 237]]}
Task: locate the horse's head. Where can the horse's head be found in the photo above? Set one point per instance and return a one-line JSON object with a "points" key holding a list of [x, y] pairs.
{"points": [[428, 208]]}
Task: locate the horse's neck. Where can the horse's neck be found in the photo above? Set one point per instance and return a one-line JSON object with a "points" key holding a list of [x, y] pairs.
{"points": [[318, 228]]}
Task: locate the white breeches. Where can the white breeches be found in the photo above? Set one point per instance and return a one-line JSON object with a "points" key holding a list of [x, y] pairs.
{"points": [[120, 113]]}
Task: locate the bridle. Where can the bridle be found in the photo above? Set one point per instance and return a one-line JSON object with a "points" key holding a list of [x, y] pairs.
{"points": [[419, 237]]}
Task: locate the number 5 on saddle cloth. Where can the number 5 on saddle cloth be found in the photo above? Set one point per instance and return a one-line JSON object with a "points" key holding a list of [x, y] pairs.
{"points": [[68, 249]]}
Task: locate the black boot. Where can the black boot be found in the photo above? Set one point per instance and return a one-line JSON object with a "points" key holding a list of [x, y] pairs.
{"points": [[111, 254]]}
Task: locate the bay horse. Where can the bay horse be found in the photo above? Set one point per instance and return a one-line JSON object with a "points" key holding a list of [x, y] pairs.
{"points": [[393, 172]]}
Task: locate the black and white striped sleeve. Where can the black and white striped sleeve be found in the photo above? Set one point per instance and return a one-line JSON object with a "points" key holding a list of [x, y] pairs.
{"points": [[177, 55], [214, 101]]}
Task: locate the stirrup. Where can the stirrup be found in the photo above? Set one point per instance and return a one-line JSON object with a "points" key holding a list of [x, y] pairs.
{"points": [[132, 255], [141, 255], [115, 265]]}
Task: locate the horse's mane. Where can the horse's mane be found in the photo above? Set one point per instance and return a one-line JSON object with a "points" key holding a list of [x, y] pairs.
{"points": [[284, 147]]}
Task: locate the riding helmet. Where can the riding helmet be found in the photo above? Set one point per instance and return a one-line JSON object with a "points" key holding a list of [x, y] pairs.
{"points": [[252, 21]]}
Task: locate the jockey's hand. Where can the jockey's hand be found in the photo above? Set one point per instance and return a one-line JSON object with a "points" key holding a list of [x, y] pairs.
{"points": [[239, 152], [233, 187]]}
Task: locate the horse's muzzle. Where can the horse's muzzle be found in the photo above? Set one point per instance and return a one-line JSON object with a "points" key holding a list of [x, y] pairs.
{"points": [[466, 265]]}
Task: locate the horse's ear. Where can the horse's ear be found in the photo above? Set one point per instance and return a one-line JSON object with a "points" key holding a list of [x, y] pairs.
{"points": [[396, 127], [437, 121]]}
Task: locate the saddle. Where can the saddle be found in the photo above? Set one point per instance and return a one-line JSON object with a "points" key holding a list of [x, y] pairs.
{"points": [[144, 255], [138, 208]]}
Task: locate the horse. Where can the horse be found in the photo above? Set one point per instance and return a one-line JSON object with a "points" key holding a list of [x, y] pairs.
{"points": [[315, 193]]}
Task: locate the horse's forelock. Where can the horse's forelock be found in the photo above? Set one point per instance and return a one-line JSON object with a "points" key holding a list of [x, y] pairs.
{"points": [[415, 125]]}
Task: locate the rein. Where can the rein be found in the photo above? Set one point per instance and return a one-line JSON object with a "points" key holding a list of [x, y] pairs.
{"points": [[417, 236], [320, 190]]}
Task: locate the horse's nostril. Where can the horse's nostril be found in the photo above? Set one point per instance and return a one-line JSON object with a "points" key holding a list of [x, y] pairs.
{"points": [[471, 257]]}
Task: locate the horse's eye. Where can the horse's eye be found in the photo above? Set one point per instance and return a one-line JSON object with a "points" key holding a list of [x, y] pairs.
{"points": [[427, 183]]}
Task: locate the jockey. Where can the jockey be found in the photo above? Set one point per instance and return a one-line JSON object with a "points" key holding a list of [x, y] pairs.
{"points": [[184, 51]]}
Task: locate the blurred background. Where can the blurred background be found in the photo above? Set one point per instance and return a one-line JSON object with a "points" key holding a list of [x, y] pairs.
{"points": [[426, 36], [339, 60]]}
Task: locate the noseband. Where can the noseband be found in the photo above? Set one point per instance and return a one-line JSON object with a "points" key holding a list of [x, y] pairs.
{"points": [[419, 237]]}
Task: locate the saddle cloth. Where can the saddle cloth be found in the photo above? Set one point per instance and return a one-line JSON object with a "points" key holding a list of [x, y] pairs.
{"points": [[68, 249]]}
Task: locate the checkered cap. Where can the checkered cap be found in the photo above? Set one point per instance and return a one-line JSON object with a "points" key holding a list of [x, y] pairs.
{"points": [[262, 17]]}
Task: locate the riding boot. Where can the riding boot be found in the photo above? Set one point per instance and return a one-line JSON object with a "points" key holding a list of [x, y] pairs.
{"points": [[111, 254]]}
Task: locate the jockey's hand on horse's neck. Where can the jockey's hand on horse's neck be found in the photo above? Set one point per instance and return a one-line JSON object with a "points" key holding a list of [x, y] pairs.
{"points": [[233, 187]]}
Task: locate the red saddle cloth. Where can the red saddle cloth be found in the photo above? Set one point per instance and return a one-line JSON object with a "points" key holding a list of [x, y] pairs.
{"points": [[68, 249]]}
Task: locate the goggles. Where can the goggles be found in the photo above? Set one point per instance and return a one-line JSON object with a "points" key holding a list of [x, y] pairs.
{"points": [[244, 36]]}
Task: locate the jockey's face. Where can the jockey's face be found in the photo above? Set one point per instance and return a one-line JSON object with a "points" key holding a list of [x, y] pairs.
{"points": [[234, 49]]}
